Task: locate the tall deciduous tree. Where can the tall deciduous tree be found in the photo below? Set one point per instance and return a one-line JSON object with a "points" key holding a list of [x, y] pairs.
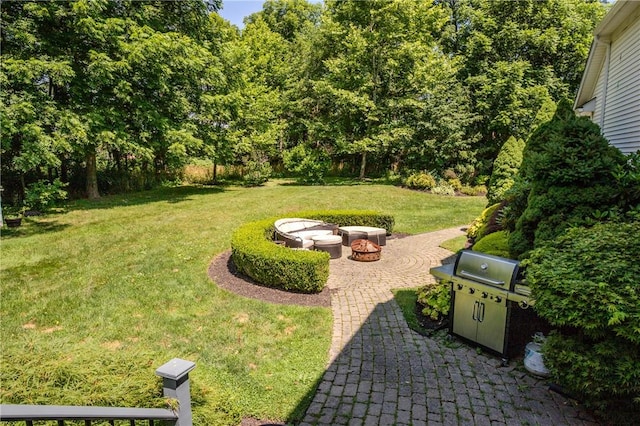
{"points": [[518, 55], [386, 85], [287, 17], [122, 78]]}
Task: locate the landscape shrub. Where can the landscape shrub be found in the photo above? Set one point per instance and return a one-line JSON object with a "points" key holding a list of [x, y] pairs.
{"points": [[455, 184], [515, 203], [435, 300], [420, 180], [256, 255], [505, 169], [443, 187], [627, 177], [568, 165], [309, 165], [588, 279], [481, 180], [306, 271], [493, 223], [474, 190], [496, 244], [42, 195], [256, 173], [393, 178], [602, 374], [479, 226], [596, 264], [352, 218], [449, 174]]}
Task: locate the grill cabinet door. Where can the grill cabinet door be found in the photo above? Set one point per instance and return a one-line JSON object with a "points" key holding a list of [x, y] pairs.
{"points": [[492, 324], [464, 315]]}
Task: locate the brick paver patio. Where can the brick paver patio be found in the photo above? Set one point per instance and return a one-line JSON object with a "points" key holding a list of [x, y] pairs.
{"points": [[383, 373]]}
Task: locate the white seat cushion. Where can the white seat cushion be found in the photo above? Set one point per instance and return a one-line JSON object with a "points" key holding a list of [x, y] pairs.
{"points": [[326, 239], [307, 244], [369, 230], [308, 235]]}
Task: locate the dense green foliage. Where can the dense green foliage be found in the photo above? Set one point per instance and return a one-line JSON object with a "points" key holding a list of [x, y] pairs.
{"points": [[594, 264], [420, 180], [588, 279], [114, 81], [568, 165], [42, 195], [496, 243], [505, 169], [517, 57], [604, 374], [256, 173], [627, 191], [435, 300], [304, 271], [479, 227], [385, 94], [117, 95], [309, 166]]}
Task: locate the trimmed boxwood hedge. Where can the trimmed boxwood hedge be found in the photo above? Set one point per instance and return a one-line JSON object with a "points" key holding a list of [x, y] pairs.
{"points": [[306, 271]]}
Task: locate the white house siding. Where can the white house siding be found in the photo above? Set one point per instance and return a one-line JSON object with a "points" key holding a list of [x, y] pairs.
{"points": [[599, 96], [622, 110]]}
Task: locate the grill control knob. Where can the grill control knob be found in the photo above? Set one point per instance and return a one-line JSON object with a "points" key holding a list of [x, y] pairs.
{"points": [[498, 299], [485, 294], [460, 286], [472, 290]]}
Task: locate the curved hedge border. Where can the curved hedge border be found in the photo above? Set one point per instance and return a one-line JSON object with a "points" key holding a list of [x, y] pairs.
{"points": [[305, 271]]}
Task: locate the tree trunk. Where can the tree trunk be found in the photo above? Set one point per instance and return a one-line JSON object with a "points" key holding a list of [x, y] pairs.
{"points": [[215, 172], [363, 165], [23, 185], [64, 169], [92, 176]]}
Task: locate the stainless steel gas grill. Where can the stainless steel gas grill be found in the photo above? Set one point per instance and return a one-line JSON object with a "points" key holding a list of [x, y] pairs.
{"points": [[490, 303]]}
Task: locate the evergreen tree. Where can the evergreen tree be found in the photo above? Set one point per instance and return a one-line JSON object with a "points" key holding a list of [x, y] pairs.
{"points": [[568, 164], [505, 169]]}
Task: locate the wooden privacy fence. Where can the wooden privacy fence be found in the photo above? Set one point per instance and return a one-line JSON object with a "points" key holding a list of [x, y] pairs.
{"points": [[175, 385]]}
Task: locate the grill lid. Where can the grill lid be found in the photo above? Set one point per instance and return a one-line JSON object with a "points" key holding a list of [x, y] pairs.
{"points": [[487, 269]]}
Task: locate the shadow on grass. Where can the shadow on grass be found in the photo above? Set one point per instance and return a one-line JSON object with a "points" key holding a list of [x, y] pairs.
{"points": [[340, 181], [172, 195], [32, 227]]}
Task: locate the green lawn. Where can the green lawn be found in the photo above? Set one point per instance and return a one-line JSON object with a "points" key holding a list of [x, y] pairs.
{"points": [[96, 298]]}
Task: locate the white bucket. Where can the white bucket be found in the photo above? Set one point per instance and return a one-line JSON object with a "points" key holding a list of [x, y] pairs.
{"points": [[533, 361]]}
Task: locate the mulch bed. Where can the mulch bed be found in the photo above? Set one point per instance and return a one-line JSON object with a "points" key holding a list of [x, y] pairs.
{"points": [[429, 325], [223, 272]]}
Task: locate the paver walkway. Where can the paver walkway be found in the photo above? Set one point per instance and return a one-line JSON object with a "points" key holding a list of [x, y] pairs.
{"points": [[383, 373]]}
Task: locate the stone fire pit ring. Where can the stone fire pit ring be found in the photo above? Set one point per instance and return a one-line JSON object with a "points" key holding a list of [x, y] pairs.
{"points": [[365, 251]]}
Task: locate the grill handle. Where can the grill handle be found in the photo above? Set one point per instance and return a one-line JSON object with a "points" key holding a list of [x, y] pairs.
{"points": [[469, 275]]}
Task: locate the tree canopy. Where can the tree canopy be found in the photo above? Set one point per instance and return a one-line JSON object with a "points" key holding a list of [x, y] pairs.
{"points": [[113, 95]]}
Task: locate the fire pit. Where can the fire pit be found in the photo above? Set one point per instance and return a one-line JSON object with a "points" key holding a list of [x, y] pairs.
{"points": [[365, 251]]}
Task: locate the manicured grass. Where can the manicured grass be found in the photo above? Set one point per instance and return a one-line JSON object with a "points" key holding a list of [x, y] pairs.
{"points": [[455, 244], [94, 299]]}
